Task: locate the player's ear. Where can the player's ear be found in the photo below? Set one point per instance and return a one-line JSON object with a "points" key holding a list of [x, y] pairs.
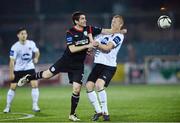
{"points": [[76, 21], [121, 25], [18, 35]]}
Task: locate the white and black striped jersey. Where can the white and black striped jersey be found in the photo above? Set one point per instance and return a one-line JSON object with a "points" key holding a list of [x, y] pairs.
{"points": [[108, 58], [23, 53]]}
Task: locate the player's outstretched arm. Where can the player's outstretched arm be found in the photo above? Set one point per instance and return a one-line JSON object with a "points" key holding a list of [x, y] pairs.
{"points": [[107, 47], [74, 48], [111, 31]]}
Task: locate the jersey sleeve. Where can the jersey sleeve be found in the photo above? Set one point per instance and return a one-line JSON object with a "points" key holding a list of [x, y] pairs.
{"points": [[34, 47], [94, 30], [13, 52], [69, 38], [117, 39]]}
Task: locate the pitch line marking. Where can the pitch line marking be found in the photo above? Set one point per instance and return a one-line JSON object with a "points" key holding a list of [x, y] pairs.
{"points": [[26, 116]]}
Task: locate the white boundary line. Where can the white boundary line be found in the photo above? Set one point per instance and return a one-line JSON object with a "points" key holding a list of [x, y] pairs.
{"points": [[26, 116]]}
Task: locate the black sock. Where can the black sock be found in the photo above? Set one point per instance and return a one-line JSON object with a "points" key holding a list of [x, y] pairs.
{"points": [[74, 102], [35, 76]]}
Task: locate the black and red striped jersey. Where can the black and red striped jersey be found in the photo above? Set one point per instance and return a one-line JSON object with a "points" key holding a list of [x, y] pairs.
{"points": [[78, 38]]}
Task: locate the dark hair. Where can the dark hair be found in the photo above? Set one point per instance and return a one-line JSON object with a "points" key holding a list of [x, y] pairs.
{"points": [[21, 29], [76, 15]]}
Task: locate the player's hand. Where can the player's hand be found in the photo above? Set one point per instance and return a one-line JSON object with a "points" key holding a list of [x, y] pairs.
{"points": [[35, 60], [90, 45], [11, 76], [95, 44], [90, 51]]}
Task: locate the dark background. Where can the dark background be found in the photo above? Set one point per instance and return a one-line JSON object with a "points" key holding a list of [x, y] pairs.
{"points": [[48, 20]]}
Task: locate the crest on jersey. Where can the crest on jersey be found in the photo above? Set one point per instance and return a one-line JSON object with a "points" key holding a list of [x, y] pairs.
{"points": [[76, 36], [53, 69], [85, 33]]}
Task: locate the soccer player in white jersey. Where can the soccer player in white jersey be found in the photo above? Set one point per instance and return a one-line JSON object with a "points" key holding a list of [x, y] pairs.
{"points": [[107, 47], [22, 63]]}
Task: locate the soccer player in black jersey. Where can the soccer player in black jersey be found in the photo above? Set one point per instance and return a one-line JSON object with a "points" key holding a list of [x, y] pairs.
{"points": [[73, 58]]}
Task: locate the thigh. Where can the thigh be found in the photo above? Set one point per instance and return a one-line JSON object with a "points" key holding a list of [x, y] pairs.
{"points": [[93, 76], [107, 74], [76, 76]]}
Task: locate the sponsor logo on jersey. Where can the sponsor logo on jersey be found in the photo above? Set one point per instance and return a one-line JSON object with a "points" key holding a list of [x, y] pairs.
{"points": [[11, 53], [26, 57], [96, 27], [104, 40], [81, 42], [104, 77]]}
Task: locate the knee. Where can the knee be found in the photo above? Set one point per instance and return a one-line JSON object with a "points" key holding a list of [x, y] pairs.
{"points": [[13, 86], [89, 86], [99, 86], [76, 90], [47, 74], [34, 84]]}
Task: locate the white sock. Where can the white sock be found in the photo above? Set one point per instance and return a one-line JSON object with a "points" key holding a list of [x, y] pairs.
{"points": [[35, 96], [103, 100], [94, 101], [10, 97]]}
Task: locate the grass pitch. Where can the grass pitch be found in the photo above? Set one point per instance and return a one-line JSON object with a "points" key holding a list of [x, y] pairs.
{"points": [[133, 103]]}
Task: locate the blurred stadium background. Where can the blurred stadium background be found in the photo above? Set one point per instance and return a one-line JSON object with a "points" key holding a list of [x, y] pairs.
{"points": [[149, 55], [47, 22]]}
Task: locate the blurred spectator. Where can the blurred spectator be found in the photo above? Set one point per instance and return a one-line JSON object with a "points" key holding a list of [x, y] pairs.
{"points": [[131, 53]]}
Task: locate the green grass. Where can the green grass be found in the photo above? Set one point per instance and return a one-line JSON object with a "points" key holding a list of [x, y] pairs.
{"points": [[134, 103]]}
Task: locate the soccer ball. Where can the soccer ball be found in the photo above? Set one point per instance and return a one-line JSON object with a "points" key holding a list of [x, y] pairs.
{"points": [[164, 21]]}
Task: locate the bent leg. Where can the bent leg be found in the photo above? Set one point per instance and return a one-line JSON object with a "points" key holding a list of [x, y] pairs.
{"points": [[92, 96], [41, 75], [102, 95]]}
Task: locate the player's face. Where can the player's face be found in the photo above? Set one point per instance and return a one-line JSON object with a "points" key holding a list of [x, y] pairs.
{"points": [[82, 21], [116, 23], [22, 35]]}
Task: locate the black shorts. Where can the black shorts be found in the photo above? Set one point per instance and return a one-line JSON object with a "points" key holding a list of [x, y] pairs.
{"points": [[75, 72], [20, 74], [102, 72]]}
